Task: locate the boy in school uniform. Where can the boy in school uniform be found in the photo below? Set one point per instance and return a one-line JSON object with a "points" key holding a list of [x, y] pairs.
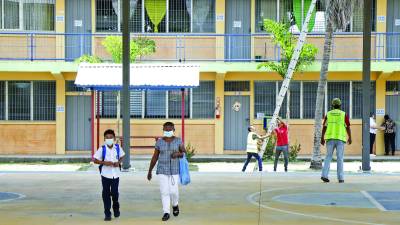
{"points": [[109, 157]]}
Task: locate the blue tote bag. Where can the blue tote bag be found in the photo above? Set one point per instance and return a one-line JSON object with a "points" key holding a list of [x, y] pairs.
{"points": [[184, 170]]}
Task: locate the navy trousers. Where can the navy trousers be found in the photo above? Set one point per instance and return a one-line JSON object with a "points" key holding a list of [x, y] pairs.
{"points": [[110, 191]]}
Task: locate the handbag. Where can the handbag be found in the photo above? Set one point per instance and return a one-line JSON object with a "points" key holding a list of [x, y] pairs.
{"points": [[184, 175]]}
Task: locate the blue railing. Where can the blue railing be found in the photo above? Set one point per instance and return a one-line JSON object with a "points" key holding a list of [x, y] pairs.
{"points": [[190, 47]]}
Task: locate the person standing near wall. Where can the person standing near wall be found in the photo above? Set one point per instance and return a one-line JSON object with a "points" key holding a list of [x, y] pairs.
{"points": [[168, 150], [372, 134], [282, 144], [390, 134], [336, 125], [252, 149]]}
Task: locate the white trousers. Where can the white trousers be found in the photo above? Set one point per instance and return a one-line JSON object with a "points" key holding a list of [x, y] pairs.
{"points": [[169, 191]]}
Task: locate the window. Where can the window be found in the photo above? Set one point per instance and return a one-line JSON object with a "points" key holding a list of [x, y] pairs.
{"points": [[71, 87], [203, 100], [2, 100], [357, 106], [158, 16], [392, 85], [44, 101], [265, 9], [28, 100], [203, 16], [340, 90], [175, 104], [237, 86], [179, 16], [136, 104], [19, 100], [35, 14], [357, 22], [309, 98], [107, 19], [294, 101], [264, 97], [155, 104], [108, 104]]}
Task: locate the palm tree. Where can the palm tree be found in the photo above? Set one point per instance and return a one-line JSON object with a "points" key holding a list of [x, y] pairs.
{"points": [[338, 15]]}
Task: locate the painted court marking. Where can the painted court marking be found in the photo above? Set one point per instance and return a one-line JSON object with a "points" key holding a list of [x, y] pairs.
{"points": [[19, 196], [373, 201], [251, 199]]}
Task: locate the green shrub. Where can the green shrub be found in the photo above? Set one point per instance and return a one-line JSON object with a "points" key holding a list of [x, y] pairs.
{"points": [[138, 47], [294, 151], [190, 151], [88, 59], [269, 151]]}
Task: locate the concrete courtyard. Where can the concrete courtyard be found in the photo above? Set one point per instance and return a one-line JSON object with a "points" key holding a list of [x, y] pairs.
{"points": [[223, 198]]}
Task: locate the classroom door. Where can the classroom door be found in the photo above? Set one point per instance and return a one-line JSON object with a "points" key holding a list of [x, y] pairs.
{"points": [[236, 122], [78, 124]]}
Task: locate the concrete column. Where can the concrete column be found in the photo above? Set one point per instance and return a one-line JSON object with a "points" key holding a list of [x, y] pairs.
{"points": [[219, 123], [220, 29], [381, 14], [60, 116], [380, 104], [60, 28]]}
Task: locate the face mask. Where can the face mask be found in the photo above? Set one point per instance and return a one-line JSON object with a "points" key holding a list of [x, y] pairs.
{"points": [[168, 133], [109, 142]]}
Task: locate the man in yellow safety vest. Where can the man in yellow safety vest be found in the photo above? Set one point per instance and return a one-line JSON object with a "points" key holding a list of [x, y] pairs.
{"points": [[252, 149], [336, 126]]}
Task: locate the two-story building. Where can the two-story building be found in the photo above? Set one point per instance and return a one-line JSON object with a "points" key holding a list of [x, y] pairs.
{"points": [[43, 112]]}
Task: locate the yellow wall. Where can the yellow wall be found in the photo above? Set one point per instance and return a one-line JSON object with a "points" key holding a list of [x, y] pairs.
{"points": [[206, 135]]}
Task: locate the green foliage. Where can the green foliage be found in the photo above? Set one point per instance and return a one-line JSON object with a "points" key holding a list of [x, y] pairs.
{"points": [[138, 47], [294, 151], [88, 59], [190, 151], [287, 42], [269, 151]]}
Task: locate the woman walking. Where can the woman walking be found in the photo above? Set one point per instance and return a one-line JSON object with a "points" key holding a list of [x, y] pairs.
{"points": [[282, 144], [390, 134], [168, 150]]}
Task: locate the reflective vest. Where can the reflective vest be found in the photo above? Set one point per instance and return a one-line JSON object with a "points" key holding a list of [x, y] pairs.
{"points": [[336, 126], [251, 144]]}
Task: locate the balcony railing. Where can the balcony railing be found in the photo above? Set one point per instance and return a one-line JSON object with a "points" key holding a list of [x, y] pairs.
{"points": [[190, 47]]}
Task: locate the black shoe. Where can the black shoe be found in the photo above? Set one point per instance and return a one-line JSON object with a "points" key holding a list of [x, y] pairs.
{"points": [[175, 210], [165, 217], [107, 218], [117, 214], [386, 153], [285, 169], [324, 179], [341, 181]]}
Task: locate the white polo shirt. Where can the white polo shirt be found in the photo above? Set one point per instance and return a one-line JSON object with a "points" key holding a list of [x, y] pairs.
{"points": [[111, 155], [372, 124]]}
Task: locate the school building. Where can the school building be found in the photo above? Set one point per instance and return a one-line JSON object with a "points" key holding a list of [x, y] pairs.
{"points": [[43, 112]]}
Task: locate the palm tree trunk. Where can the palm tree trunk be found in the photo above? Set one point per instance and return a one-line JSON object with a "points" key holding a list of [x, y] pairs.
{"points": [[316, 161]]}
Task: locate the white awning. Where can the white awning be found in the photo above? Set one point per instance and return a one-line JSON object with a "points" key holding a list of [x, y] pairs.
{"points": [[107, 76]]}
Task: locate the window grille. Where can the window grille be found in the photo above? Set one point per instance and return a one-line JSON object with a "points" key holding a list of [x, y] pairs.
{"points": [[36, 15], [294, 101], [44, 101], [178, 16], [339, 90], [175, 104], [237, 85], [2, 100], [203, 102], [264, 97], [19, 100], [357, 99]]}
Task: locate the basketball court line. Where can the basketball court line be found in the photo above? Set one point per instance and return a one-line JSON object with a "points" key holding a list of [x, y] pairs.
{"points": [[373, 201], [251, 200]]}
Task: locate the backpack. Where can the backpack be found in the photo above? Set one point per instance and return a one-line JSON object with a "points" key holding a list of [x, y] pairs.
{"points": [[103, 155]]}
